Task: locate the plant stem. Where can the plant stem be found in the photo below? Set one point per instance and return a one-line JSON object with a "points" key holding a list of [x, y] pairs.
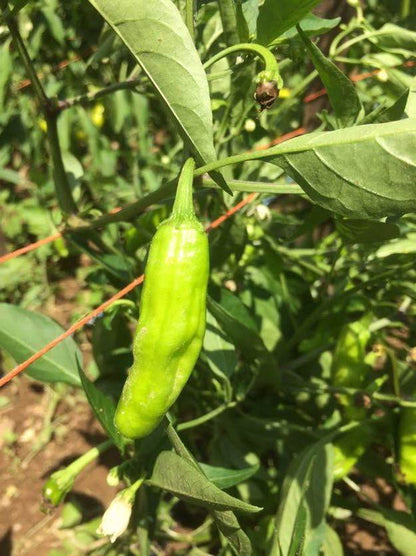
{"points": [[189, 17], [50, 112], [167, 191], [95, 95], [406, 6], [79, 464], [204, 418], [271, 67], [183, 206], [229, 21], [352, 392], [62, 187]]}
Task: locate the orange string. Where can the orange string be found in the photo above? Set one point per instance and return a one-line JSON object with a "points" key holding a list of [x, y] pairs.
{"points": [[36, 244], [230, 212], [44, 241], [357, 77], [79, 324], [14, 372], [30, 247]]}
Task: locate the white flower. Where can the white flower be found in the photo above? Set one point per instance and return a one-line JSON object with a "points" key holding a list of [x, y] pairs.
{"points": [[263, 212], [116, 518]]}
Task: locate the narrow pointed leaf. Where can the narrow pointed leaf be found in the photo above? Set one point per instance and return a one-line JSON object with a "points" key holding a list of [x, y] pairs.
{"points": [[341, 91], [154, 32], [181, 478]]}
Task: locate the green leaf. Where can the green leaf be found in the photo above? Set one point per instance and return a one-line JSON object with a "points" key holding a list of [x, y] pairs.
{"points": [[247, 339], [178, 476], [366, 231], [390, 114], [154, 32], [112, 345], [103, 408], [400, 527], [332, 544], [225, 520], [311, 25], [361, 172], [277, 16], [308, 483], [395, 39], [251, 13], [227, 478], [398, 247], [220, 353], [341, 91], [23, 333], [228, 524]]}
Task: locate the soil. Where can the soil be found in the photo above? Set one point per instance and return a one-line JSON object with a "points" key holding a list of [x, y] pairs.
{"points": [[25, 528]]}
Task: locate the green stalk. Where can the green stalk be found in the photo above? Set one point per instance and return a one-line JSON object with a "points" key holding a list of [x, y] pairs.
{"points": [[271, 67], [183, 208], [189, 17], [406, 7], [229, 21], [60, 483], [50, 112]]}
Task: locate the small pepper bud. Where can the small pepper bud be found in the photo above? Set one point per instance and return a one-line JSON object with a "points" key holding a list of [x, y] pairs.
{"points": [[57, 487], [269, 84]]}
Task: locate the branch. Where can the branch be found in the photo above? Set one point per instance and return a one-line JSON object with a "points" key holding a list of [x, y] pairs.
{"points": [[95, 95], [50, 112]]}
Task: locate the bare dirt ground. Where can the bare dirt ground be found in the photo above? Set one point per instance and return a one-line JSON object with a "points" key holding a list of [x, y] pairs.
{"points": [[24, 528]]}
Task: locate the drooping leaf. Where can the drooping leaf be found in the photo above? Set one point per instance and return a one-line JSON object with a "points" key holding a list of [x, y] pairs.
{"points": [[277, 16], [156, 35], [361, 172], [228, 524], [178, 476], [341, 90], [103, 408], [225, 520], [23, 333]]}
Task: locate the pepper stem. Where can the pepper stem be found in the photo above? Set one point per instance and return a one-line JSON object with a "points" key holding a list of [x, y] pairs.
{"points": [[183, 207], [271, 67]]}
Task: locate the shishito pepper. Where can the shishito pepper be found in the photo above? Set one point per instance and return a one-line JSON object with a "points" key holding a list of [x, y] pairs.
{"points": [[171, 326]]}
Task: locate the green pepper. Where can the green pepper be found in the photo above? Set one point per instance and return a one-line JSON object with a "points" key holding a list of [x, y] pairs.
{"points": [[171, 327], [349, 370], [407, 445]]}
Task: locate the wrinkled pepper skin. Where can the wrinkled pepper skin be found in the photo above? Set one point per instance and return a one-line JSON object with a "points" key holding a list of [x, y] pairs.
{"points": [[171, 326], [407, 445]]}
